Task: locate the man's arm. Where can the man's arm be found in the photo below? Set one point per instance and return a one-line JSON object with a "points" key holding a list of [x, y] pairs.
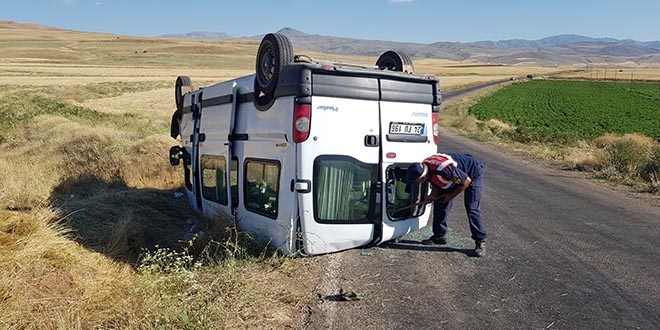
{"points": [[435, 194], [446, 198]]}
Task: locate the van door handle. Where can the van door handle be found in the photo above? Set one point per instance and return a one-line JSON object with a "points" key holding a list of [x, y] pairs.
{"points": [[371, 141]]}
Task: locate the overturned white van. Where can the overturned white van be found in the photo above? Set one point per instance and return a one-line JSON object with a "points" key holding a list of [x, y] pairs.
{"points": [[309, 155]]}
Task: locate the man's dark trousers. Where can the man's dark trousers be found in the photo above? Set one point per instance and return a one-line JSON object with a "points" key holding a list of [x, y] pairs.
{"points": [[472, 199]]}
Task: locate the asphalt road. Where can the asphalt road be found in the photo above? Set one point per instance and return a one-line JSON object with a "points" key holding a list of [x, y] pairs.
{"points": [[563, 252]]}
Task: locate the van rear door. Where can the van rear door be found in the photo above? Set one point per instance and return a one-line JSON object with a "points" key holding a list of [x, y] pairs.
{"points": [[408, 138], [406, 109], [340, 161], [363, 129]]}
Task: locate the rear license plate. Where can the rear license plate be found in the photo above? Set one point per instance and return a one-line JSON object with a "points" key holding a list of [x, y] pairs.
{"points": [[406, 128]]}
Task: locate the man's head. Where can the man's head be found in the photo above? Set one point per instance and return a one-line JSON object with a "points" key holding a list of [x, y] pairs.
{"points": [[417, 173]]}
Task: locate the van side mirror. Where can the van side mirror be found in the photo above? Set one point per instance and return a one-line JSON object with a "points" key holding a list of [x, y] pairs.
{"points": [[176, 153]]}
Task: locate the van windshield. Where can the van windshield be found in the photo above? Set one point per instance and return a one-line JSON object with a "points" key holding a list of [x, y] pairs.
{"points": [[345, 190]]}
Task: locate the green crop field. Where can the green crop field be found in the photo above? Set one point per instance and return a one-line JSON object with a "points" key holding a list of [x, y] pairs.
{"points": [[579, 109]]}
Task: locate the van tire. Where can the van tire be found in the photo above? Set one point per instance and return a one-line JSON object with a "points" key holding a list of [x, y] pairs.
{"points": [[275, 51], [181, 81], [407, 63], [395, 61]]}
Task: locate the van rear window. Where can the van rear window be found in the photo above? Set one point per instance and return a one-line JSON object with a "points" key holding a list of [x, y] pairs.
{"points": [[344, 190]]}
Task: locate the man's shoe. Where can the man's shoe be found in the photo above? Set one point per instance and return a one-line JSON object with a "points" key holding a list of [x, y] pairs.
{"points": [[440, 240], [479, 248]]}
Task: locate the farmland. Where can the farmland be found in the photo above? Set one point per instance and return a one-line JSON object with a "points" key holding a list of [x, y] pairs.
{"points": [[584, 109], [607, 129]]}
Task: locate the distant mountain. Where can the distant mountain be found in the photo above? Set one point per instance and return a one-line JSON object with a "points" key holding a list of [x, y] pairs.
{"points": [[567, 49], [576, 45], [543, 43], [563, 49], [200, 35], [289, 32]]}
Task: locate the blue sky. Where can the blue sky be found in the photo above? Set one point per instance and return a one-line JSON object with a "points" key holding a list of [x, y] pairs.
{"points": [[422, 21]]}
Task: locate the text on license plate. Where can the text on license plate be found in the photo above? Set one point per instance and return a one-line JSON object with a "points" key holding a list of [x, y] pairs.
{"points": [[406, 128]]}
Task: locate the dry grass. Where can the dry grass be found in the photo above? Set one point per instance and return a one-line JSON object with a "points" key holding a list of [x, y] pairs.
{"points": [[87, 190], [640, 141], [48, 281]]}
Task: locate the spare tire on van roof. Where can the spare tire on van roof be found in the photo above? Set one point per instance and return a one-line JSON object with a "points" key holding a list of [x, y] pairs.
{"points": [[181, 86], [395, 61], [275, 51]]}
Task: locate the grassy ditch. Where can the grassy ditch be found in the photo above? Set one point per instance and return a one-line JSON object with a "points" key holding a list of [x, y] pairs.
{"points": [[95, 234]]}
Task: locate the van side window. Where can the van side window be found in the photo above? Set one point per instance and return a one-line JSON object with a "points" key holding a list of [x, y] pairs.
{"points": [[261, 191], [214, 182], [343, 190]]}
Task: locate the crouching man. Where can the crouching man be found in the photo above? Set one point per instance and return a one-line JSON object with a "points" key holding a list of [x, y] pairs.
{"points": [[450, 175]]}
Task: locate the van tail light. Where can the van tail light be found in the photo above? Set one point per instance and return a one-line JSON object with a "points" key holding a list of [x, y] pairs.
{"points": [[302, 121]]}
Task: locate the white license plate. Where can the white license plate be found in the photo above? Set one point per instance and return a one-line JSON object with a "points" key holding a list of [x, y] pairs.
{"points": [[407, 128]]}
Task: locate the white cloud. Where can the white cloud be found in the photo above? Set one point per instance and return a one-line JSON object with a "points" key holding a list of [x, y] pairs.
{"points": [[399, 1]]}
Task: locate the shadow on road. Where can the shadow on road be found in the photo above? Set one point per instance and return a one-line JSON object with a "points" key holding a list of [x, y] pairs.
{"points": [[411, 245]]}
